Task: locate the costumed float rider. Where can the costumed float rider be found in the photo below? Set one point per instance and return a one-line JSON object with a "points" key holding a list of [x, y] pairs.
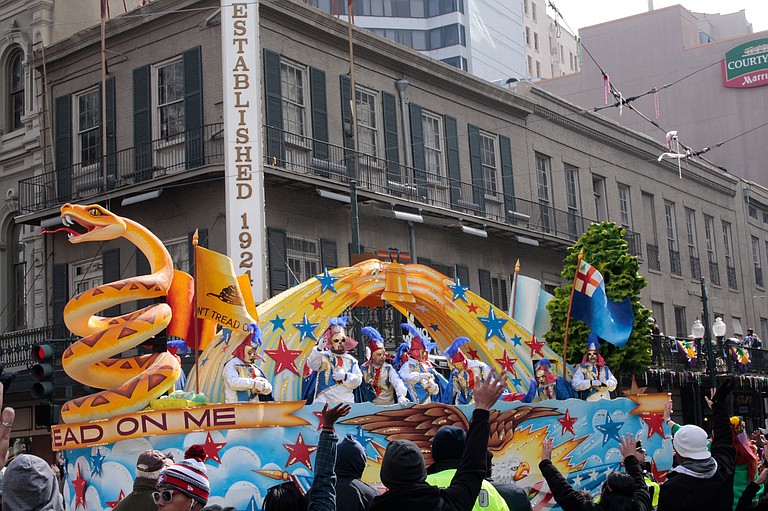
{"points": [[546, 385], [382, 384], [244, 381], [424, 384], [336, 373], [592, 378], [464, 372]]}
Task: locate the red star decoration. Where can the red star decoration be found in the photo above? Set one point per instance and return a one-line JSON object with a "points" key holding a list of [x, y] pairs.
{"points": [[472, 308], [212, 448], [507, 363], [116, 502], [567, 423], [658, 475], [300, 453], [284, 358], [79, 485], [655, 423], [536, 346], [319, 416], [472, 354], [317, 304]]}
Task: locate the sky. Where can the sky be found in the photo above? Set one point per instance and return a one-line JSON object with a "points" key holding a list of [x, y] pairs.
{"points": [[583, 13]]}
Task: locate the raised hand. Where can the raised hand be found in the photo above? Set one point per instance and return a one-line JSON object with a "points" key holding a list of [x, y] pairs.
{"points": [[546, 448], [488, 392], [628, 447], [331, 415], [7, 417]]}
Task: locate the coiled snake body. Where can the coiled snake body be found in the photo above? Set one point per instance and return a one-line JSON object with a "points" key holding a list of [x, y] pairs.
{"points": [[131, 382]]}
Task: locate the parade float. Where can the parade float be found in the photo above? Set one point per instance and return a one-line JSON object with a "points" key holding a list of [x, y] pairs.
{"points": [[255, 445]]}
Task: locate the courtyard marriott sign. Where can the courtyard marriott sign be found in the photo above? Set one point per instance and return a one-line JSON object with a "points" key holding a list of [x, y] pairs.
{"points": [[746, 65]]}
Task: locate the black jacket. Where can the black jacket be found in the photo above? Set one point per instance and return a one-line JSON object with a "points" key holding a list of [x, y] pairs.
{"points": [[682, 492], [406, 479], [352, 494], [570, 500], [745, 502]]}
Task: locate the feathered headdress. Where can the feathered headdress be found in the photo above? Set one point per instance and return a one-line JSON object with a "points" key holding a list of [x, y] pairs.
{"points": [[453, 352], [375, 340], [338, 329], [417, 344], [254, 338], [177, 347]]}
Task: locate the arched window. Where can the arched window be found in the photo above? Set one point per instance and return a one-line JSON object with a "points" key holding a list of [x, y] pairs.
{"points": [[16, 91]]}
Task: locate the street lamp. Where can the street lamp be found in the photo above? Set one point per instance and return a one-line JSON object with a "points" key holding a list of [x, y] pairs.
{"points": [[718, 329], [707, 338], [697, 329]]}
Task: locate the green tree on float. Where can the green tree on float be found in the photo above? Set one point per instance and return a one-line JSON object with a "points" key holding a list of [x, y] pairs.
{"points": [[605, 249]]}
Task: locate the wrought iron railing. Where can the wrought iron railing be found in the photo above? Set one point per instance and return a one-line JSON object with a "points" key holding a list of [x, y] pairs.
{"points": [[190, 149], [732, 283], [714, 273], [674, 263], [485, 200], [15, 347], [695, 267], [652, 252], [633, 243]]}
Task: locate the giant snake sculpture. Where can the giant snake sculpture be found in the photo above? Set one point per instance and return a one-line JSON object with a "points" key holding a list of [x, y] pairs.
{"points": [[131, 382]]}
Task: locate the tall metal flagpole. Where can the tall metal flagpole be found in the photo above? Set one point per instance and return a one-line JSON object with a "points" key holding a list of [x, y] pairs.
{"points": [[568, 316], [195, 241], [514, 288]]}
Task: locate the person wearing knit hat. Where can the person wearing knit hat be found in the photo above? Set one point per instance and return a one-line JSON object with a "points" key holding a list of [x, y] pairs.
{"points": [[592, 379], [423, 382], [148, 467], [336, 373], [184, 485], [244, 381], [464, 372], [382, 384]]}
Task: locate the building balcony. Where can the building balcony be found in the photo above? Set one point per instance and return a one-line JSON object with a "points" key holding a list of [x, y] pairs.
{"points": [[665, 354], [123, 169], [290, 154], [714, 273], [695, 267], [652, 251], [675, 267]]}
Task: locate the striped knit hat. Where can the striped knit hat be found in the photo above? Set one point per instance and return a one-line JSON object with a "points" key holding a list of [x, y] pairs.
{"points": [[188, 477]]}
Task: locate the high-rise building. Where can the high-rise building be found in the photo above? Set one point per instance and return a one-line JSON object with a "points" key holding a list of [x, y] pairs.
{"points": [[492, 39], [684, 56]]}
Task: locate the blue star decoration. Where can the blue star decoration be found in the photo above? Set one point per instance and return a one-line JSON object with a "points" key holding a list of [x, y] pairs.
{"points": [[277, 323], [434, 327], [326, 281], [252, 506], [307, 329], [516, 340], [493, 325], [96, 461], [459, 290], [365, 441], [515, 381], [610, 429]]}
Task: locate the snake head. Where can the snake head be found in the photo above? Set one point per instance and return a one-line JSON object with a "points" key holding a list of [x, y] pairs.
{"points": [[99, 223]]}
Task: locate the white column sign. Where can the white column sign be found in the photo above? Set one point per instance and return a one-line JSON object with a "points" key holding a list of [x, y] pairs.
{"points": [[244, 175]]}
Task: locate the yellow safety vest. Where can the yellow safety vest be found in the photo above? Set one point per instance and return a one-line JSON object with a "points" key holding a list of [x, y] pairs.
{"points": [[654, 488], [488, 499]]}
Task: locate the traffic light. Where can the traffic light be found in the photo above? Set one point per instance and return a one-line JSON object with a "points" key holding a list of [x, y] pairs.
{"points": [[42, 371], [46, 415]]}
